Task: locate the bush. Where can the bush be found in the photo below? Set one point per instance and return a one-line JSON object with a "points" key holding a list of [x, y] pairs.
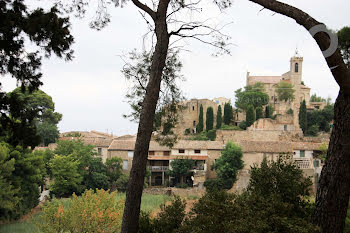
{"points": [[211, 135], [187, 131], [122, 183], [230, 127], [313, 130], [290, 111], [91, 212], [243, 125]]}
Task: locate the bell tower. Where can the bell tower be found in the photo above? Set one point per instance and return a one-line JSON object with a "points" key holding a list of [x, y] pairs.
{"points": [[296, 69]]}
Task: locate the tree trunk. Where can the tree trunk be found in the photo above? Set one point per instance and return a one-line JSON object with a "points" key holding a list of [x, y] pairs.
{"points": [[334, 187], [134, 189]]}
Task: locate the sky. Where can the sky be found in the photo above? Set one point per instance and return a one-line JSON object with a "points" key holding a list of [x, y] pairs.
{"points": [[89, 91]]}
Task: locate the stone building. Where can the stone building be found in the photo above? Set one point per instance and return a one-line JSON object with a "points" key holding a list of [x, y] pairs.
{"points": [[188, 118], [159, 158], [294, 77]]}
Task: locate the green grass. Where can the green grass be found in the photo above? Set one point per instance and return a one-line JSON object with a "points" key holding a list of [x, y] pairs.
{"points": [[149, 203]]}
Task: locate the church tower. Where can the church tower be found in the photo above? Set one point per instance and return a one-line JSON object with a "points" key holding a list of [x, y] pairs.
{"points": [[296, 69]]}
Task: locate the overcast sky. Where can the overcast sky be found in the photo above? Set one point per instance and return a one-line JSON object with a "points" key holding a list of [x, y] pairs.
{"points": [[89, 91]]}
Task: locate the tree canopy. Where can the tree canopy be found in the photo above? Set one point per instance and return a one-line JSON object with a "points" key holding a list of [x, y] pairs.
{"points": [[254, 95], [285, 91], [344, 43]]}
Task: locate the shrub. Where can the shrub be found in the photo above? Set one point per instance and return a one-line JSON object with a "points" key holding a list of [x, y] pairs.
{"points": [[290, 111], [122, 182], [230, 127], [313, 130], [243, 125], [187, 131], [91, 212], [211, 135]]}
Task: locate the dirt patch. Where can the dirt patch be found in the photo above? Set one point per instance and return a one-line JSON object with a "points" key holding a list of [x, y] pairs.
{"points": [[33, 212]]}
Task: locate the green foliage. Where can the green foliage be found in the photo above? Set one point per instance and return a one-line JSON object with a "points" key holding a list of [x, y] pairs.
{"points": [[322, 118], [211, 135], [243, 125], [250, 116], [187, 131], [91, 212], [219, 118], [269, 111], [303, 116], [315, 98], [114, 170], [209, 123], [285, 91], [200, 125], [122, 182], [312, 130], [20, 28], [227, 166], [323, 148], [290, 111], [230, 127], [228, 114], [73, 134], [8, 197], [252, 95], [200, 137], [259, 113], [180, 168], [67, 179], [169, 219], [344, 43]]}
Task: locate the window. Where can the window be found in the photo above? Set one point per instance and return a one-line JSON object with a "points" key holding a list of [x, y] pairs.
{"points": [[130, 154], [194, 123], [197, 151], [125, 165], [302, 154], [181, 151], [166, 153], [150, 152], [296, 68], [316, 163], [192, 108], [99, 151], [285, 127]]}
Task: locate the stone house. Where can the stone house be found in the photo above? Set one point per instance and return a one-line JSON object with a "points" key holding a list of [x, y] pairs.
{"points": [[159, 158]]}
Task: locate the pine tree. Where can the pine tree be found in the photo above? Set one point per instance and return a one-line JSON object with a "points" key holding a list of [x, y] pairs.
{"points": [[209, 123], [219, 118], [250, 117], [200, 125], [259, 113], [228, 114], [303, 116]]}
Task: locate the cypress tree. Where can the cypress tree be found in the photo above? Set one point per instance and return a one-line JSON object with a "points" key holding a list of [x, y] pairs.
{"points": [[250, 116], [200, 125], [228, 114], [219, 118], [268, 111], [259, 113], [209, 123], [303, 116]]}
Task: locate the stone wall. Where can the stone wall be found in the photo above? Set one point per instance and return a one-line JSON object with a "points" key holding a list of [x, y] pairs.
{"points": [[176, 191]]}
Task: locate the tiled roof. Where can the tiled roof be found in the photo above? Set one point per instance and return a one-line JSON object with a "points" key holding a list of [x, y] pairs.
{"points": [[264, 79], [266, 146], [306, 145]]}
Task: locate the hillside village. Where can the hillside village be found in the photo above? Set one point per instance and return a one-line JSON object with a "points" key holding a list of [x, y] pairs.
{"points": [[265, 138]]}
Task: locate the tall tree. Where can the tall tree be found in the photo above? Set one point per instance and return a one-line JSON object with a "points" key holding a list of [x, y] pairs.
{"points": [[285, 91], [51, 34], [268, 111], [344, 43], [252, 95], [303, 116], [209, 121], [259, 113], [334, 187], [250, 116], [228, 113], [200, 125], [219, 118]]}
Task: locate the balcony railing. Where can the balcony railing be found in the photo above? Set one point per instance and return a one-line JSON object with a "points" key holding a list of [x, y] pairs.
{"points": [[158, 168], [303, 163]]}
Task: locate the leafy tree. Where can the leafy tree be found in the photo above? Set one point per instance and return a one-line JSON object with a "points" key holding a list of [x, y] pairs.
{"points": [[122, 182], [209, 123], [228, 114], [180, 168], [226, 167], [250, 116], [344, 43], [96, 178], [329, 213], [303, 116], [259, 113], [313, 130], [114, 170], [322, 118], [200, 125], [8, 197], [268, 111], [285, 91], [219, 118], [252, 95], [51, 35], [243, 125], [315, 98]]}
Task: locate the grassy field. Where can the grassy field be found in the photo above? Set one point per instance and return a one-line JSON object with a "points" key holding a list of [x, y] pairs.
{"points": [[149, 203]]}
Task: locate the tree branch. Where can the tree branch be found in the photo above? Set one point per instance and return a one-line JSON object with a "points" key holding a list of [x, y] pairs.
{"points": [[335, 62], [145, 8]]}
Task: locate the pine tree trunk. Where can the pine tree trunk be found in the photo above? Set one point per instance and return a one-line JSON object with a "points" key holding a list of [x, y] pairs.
{"points": [[130, 222], [334, 187]]}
